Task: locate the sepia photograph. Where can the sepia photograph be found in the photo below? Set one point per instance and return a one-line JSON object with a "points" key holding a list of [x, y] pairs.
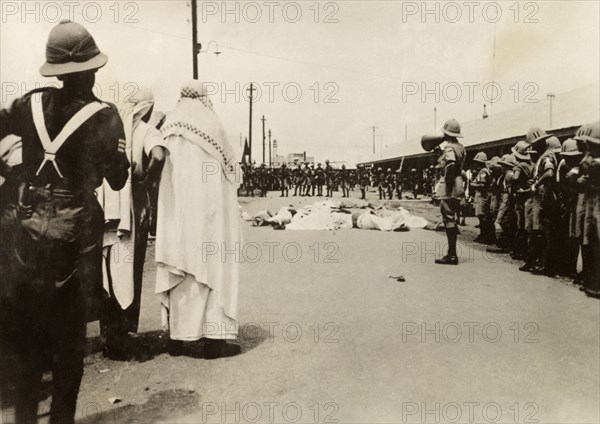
{"points": [[310, 211]]}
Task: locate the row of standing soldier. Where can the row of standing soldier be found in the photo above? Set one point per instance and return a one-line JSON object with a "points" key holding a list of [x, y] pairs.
{"points": [[540, 203], [308, 180]]}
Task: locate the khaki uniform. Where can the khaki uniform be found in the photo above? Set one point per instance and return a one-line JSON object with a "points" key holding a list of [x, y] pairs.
{"points": [[451, 187]]}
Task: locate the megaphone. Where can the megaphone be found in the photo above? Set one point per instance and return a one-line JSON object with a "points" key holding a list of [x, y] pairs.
{"points": [[430, 142]]}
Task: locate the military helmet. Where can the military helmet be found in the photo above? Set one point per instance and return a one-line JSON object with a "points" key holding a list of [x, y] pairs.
{"points": [[480, 157], [589, 132], [379, 169], [327, 161], [521, 150], [389, 170], [570, 148], [452, 128], [508, 160], [70, 49], [553, 144], [536, 134]]}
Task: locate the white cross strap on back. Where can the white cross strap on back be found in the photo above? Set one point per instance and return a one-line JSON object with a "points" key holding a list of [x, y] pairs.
{"points": [[51, 147]]}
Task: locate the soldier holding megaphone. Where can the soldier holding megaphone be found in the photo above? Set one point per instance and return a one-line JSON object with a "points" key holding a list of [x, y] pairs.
{"points": [[450, 190]]}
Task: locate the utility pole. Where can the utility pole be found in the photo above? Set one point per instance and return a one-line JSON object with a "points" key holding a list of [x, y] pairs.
{"points": [[551, 97], [373, 139], [251, 89], [195, 46], [263, 127], [270, 161], [435, 118]]}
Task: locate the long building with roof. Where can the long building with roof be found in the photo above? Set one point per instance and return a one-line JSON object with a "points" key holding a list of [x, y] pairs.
{"points": [[497, 133]]}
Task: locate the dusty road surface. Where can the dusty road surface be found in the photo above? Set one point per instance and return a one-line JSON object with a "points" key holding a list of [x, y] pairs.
{"points": [[328, 336]]}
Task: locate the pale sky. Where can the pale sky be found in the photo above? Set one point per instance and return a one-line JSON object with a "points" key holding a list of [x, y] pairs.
{"points": [[368, 62]]}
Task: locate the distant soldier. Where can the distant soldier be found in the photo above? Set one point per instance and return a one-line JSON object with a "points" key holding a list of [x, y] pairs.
{"points": [[298, 177], [451, 187], [307, 179], [263, 179], [250, 179], [284, 180], [319, 179], [496, 188], [398, 182], [313, 179], [505, 221], [521, 191], [380, 180], [329, 178], [414, 182], [481, 197], [363, 181], [389, 183], [343, 181]]}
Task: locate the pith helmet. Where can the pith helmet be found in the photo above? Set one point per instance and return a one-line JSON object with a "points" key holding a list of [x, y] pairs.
{"points": [[536, 134], [553, 144], [508, 160], [589, 132], [389, 170], [521, 150], [71, 48], [570, 148], [452, 128], [480, 157]]}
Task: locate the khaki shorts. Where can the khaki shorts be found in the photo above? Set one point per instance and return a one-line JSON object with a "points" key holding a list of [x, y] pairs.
{"points": [[450, 208]]}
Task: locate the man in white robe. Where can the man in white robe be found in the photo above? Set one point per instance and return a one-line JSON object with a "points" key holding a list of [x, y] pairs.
{"points": [[127, 214], [198, 229]]}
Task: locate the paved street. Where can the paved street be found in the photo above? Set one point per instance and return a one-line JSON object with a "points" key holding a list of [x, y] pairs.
{"points": [[328, 337]]}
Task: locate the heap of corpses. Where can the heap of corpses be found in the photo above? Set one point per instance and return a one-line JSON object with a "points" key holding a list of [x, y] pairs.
{"points": [[332, 215]]}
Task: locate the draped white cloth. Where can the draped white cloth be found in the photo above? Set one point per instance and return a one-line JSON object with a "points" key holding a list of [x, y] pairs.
{"points": [[198, 225], [118, 246]]}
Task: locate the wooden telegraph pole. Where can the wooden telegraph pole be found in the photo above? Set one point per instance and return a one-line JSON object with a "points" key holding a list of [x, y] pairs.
{"points": [[270, 160], [263, 128], [251, 90], [195, 45]]}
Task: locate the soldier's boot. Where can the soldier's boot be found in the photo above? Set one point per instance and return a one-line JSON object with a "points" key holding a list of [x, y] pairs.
{"points": [[362, 194], [481, 236], [546, 266], [532, 254], [450, 258]]}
